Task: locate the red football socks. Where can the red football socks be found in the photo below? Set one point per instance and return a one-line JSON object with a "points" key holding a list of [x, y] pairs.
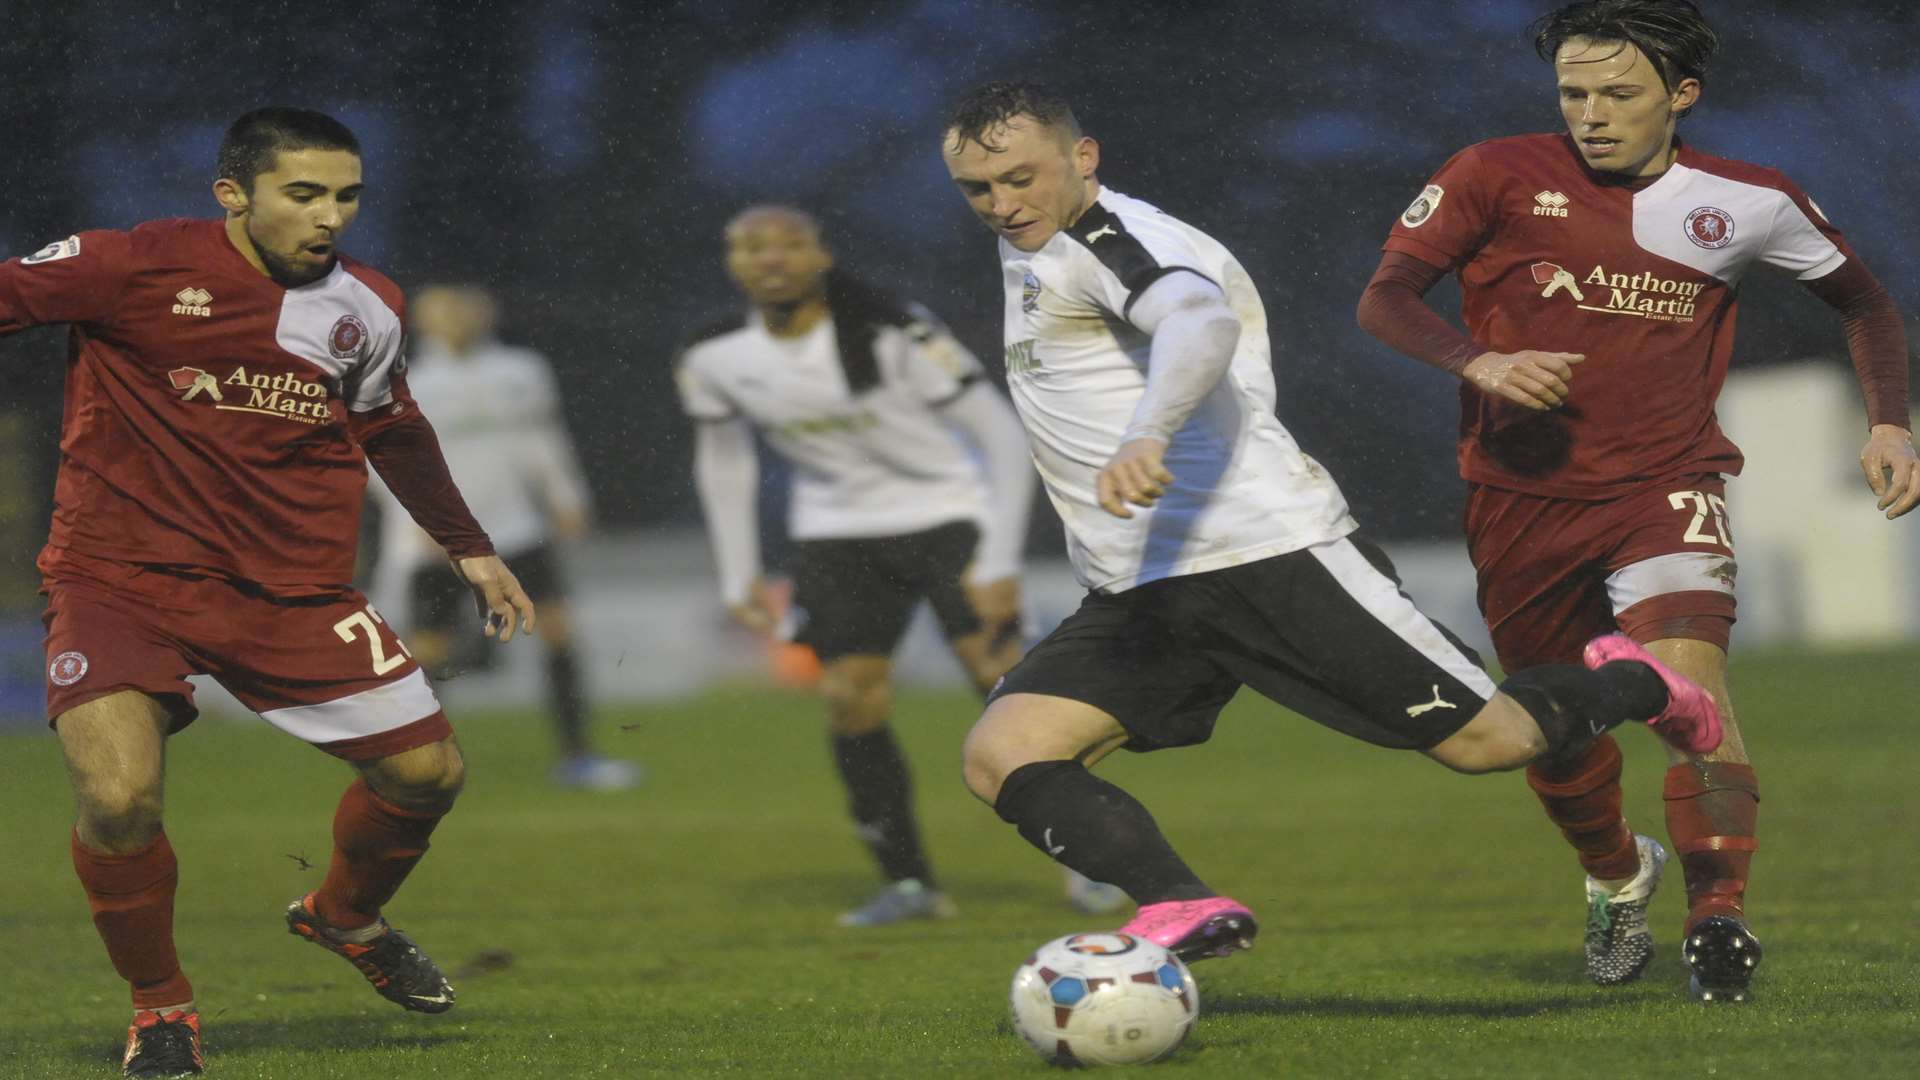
{"points": [[1582, 796], [1711, 811], [375, 846], [132, 901]]}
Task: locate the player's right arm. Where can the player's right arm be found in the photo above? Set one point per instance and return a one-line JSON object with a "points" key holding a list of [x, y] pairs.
{"points": [[726, 475], [1447, 224], [1194, 335], [76, 280]]}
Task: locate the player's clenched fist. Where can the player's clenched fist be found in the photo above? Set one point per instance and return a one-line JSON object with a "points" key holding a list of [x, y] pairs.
{"points": [[1133, 475], [497, 593], [1538, 380]]}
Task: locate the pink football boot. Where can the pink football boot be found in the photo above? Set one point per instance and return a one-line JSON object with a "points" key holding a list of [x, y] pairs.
{"points": [[1196, 929], [1691, 720]]}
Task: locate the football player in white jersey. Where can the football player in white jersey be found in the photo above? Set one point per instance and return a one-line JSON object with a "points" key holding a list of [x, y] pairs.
{"points": [[506, 442], [911, 483], [1216, 553]]}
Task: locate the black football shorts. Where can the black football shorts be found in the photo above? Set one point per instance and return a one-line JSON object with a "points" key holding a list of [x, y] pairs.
{"points": [[1324, 631], [855, 596]]}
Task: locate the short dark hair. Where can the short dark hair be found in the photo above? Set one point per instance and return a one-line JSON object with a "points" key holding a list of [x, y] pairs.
{"points": [[258, 138], [991, 105], [1673, 34]]}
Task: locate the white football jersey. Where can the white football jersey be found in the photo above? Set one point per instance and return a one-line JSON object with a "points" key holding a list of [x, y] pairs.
{"points": [[496, 411], [1243, 490], [871, 454]]}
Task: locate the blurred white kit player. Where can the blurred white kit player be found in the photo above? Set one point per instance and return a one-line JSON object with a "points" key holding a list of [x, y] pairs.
{"points": [[912, 441], [911, 483], [497, 413]]}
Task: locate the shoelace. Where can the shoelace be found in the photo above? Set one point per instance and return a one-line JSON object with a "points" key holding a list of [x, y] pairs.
{"points": [[1599, 914]]}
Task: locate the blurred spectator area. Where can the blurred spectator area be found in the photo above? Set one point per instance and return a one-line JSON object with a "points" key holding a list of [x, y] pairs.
{"points": [[581, 158]]}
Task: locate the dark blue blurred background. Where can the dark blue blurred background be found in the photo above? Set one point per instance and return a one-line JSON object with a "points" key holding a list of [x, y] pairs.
{"points": [[582, 157]]}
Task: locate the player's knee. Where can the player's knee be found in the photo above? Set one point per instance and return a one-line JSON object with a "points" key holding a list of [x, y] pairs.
{"points": [[859, 697], [1496, 740], [981, 764], [556, 629], [993, 750], [118, 818], [427, 778]]}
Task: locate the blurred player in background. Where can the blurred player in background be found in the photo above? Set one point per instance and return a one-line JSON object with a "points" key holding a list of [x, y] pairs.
{"points": [[497, 409], [1215, 553], [911, 484], [227, 384], [1600, 271]]}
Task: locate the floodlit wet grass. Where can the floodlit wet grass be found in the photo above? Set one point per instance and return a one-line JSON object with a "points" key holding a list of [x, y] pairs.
{"points": [[1415, 923]]}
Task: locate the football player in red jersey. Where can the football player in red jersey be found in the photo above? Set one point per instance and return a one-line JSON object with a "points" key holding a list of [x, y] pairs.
{"points": [[227, 383], [1599, 271]]}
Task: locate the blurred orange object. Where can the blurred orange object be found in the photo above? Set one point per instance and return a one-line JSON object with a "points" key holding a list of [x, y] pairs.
{"points": [[794, 665]]}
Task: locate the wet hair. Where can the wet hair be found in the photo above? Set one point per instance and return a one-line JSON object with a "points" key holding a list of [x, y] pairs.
{"points": [[256, 140], [1673, 34], [991, 105]]}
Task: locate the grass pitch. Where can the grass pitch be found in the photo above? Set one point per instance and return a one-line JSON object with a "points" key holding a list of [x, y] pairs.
{"points": [[1414, 923]]}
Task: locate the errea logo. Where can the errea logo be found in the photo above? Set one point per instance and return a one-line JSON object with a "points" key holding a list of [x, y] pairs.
{"points": [[1550, 204], [193, 301]]}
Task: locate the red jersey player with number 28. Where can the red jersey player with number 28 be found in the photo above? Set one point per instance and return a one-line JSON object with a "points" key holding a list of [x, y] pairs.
{"points": [[1600, 271], [227, 382]]}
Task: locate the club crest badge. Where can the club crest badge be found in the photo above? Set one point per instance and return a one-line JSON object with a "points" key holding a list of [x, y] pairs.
{"points": [[346, 338], [1709, 227], [1029, 292], [1423, 207], [67, 668], [54, 252]]}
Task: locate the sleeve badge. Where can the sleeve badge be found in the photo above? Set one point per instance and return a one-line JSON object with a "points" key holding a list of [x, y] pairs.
{"points": [[1423, 207], [54, 252]]}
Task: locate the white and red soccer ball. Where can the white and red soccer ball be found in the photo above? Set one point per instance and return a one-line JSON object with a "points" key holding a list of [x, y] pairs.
{"points": [[1103, 999]]}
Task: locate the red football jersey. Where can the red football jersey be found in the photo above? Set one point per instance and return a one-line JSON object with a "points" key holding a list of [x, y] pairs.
{"points": [[206, 405], [1554, 256]]}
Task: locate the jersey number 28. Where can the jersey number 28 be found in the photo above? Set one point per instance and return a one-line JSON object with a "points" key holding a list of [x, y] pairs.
{"points": [[1705, 506]]}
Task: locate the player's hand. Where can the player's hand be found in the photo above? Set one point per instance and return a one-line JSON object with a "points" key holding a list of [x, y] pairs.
{"points": [[1537, 380], [570, 526], [503, 604], [1892, 468], [1133, 475], [756, 611], [996, 602]]}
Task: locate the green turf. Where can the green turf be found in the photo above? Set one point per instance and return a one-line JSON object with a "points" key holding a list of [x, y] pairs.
{"points": [[1415, 923]]}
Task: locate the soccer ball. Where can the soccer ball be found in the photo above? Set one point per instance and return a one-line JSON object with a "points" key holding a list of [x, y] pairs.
{"points": [[1103, 999]]}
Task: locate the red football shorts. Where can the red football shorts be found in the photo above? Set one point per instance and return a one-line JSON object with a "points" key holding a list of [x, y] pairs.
{"points": [[326, 669], [1555, 573]]}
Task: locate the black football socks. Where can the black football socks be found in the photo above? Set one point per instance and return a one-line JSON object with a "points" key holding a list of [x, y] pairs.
{"points": [[1093, 827], [568, 705], [880, 798], [1575, 706]]}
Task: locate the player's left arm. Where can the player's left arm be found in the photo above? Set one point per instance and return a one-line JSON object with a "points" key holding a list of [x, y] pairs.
{"points": [[1804, 242], [401, 446], [1195, 335]]}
